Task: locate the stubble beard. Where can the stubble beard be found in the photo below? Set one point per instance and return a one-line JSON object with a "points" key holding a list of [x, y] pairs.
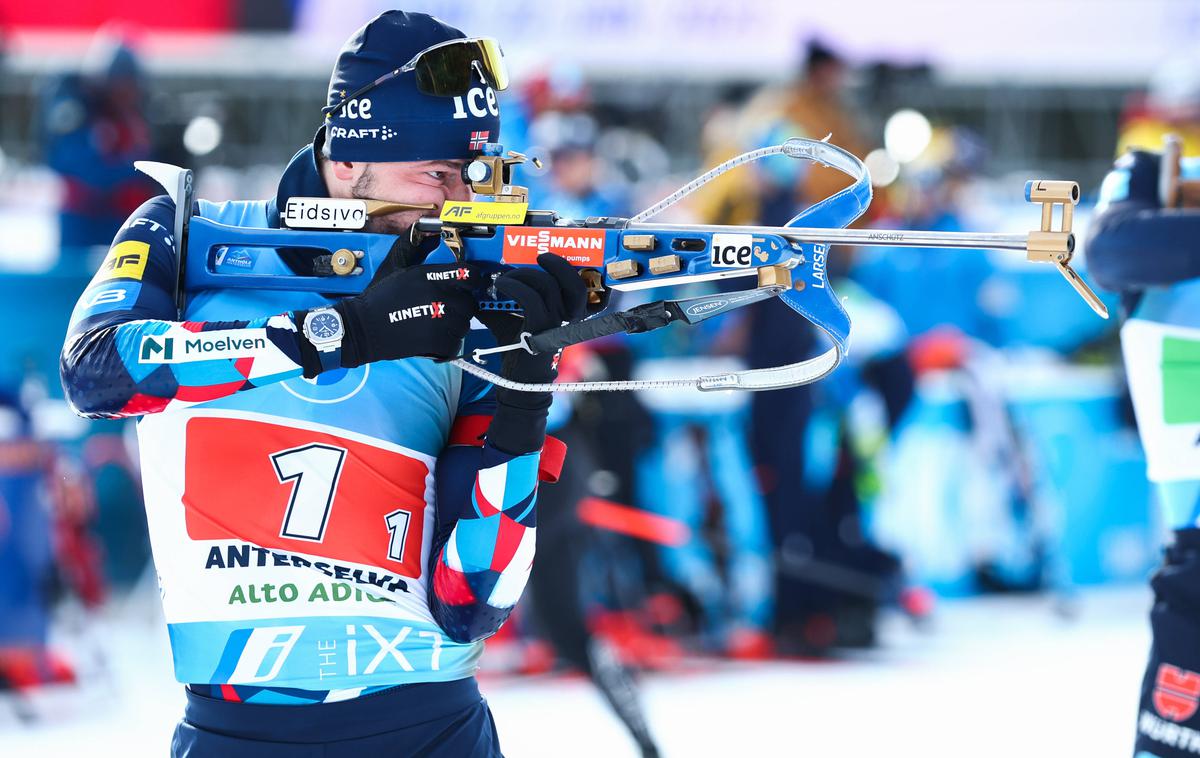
{"points": [[393, 223]]}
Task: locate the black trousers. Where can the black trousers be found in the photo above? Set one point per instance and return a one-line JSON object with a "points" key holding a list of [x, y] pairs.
{"points": [[430, 720], [1168, 723]]}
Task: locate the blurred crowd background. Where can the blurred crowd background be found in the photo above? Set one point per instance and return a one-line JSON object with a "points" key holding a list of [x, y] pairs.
{"points": [[979, 440]]}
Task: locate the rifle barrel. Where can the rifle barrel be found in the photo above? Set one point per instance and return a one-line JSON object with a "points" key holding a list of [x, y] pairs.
{"points": [[871, 237]]}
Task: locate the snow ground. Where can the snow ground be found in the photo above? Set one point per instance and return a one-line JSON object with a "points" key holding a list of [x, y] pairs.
{"points": [[993, 677]]}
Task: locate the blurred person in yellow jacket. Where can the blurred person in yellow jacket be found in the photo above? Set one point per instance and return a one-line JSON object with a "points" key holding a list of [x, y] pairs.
{"points": [[772, 191], [814, 102], [1171, 106]]}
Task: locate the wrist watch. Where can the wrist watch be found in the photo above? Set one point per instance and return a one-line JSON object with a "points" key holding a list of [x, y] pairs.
{"points": [[323, 329]]}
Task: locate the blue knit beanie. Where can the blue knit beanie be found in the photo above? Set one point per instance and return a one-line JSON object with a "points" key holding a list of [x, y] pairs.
{"points": [[395, 121]]}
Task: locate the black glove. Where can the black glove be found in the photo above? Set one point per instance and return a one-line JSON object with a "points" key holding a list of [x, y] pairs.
{"points": [[422, 310], [548, 296]]}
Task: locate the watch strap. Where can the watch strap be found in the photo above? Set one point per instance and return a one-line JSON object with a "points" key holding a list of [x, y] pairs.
{"points": [[330, 358]]}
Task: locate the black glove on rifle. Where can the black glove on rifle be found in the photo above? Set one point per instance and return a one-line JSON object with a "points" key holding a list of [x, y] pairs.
{"points": [[422, 310], [548, 296]]}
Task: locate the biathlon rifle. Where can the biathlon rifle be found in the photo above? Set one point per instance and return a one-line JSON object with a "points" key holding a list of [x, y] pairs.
{"points": [[611, 253]]}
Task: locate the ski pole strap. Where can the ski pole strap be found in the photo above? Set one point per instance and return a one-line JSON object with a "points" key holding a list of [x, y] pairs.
{"points": [[646, 318], [643, 318]]}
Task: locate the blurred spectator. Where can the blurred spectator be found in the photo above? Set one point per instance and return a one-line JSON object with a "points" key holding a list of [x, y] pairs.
{"points": [[557, 93], [1006, 530], [26, 553], [1143, 243], [1171, 106], [699, 458], [93, 128], [814, 103], [829, 579], [120, 524], [811, 463], [735, 197], [576, 188], [771, 192], [46, 508], [928, 198]]}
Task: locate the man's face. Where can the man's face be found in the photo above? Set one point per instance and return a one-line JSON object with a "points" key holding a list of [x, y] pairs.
{"points": [[828, 78], [417, 182], [574, 171]]}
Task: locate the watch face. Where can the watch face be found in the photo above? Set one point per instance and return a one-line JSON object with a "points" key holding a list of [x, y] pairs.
{"points": [[325, 326]]}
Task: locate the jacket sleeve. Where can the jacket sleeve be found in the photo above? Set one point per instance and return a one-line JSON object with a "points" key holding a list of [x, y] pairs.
{"points": [[127, 353], [1133, 242], [1133, 245], [486, 525]]}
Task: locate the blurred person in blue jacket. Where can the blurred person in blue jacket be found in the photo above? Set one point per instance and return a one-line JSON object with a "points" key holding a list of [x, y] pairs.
{"points": [[46, 548], [804, 468], [812, 461], [94, 127], [533, 113], [577, 185], [26, 551], [699, 456], [928, 198]]}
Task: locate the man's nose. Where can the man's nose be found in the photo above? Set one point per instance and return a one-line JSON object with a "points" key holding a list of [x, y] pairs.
{"points": [[458, 191]]}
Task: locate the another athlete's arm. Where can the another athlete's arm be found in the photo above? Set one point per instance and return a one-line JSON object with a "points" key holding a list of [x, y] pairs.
{"points": [[1134, 242]]}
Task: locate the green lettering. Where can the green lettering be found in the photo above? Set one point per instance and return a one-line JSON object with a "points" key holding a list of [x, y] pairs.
{"points": [[237, 596], [341, 591], [288, 592], [318, 593]]}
